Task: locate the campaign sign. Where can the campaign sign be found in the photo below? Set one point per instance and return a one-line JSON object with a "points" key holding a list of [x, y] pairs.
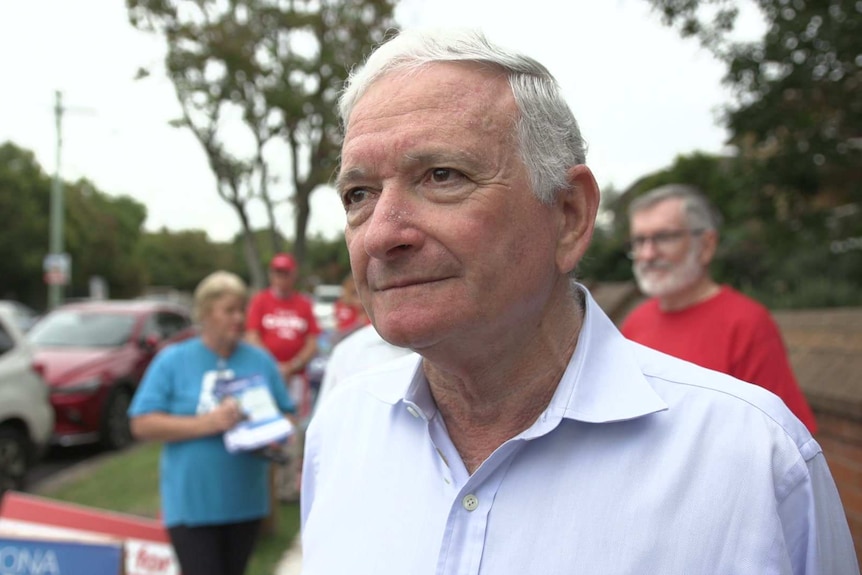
{"points": [[42, 557], [145, 541]]}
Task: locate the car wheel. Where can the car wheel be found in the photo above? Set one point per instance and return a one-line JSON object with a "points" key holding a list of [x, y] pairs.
{"points": [[115, 420], [14, 457]]}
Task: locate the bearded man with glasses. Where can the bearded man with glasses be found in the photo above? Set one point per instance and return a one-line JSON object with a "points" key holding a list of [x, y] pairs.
{"points": [[674, 236]]}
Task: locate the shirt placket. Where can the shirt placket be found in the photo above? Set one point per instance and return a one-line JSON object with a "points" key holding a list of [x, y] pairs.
{"points": [[472, 500]]}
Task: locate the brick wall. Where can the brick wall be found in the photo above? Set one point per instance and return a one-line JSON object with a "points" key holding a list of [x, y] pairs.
{"points": [[825, 348]]}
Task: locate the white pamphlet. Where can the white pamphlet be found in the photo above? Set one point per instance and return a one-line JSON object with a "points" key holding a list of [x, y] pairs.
{"points": [[262, 424]]}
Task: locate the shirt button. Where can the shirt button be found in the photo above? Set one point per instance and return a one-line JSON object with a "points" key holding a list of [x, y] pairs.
{"points": [[470, 502], [412, 411]]}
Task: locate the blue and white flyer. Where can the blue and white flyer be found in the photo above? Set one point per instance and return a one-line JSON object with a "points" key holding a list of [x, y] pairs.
{"points": [[263, 424]]}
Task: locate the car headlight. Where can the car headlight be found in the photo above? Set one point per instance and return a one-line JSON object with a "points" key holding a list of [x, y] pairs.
{"points": [[82, 387]]}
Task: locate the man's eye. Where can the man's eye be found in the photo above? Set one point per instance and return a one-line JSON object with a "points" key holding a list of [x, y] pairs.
{"points": [[441, 175], [353, 196]]}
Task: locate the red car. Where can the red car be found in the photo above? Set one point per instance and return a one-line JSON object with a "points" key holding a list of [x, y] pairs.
{"points": [[93, 355]]}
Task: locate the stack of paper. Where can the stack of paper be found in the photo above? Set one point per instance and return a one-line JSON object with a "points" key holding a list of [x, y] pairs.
{"points": [[263, 424]]}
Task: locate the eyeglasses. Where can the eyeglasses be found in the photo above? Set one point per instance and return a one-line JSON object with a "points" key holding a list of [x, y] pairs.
{"points": [[661, 241]]}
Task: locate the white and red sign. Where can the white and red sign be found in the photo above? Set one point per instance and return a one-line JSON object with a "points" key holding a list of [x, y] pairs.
{"points": [[146, 544]]}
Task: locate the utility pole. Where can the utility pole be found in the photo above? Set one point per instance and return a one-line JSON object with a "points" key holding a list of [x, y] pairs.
{"points": [[56, 284]]}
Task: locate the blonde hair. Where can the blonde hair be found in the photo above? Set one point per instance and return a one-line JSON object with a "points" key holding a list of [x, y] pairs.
{"points": [[214, 286]]}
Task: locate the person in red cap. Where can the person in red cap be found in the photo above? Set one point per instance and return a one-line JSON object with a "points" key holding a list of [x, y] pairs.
{"points": [[281, 320]]}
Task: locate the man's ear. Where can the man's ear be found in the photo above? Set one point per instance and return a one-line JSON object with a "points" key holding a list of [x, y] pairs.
{"points": [[577, 207], [708, 246]]}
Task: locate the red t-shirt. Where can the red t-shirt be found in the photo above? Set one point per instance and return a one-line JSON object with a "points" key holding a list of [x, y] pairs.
{"points": [[347, 317], [284, 324], [730, 333]]}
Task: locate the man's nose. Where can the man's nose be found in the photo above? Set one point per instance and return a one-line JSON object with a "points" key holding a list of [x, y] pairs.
{"points": [[394, 224]]}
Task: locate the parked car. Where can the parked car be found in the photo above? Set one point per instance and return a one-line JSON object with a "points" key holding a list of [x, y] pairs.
{"points": [[26, 417], [25, 316], [94, 355]]}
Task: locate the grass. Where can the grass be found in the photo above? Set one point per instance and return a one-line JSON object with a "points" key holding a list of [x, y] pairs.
{"points": [[128, 482]]}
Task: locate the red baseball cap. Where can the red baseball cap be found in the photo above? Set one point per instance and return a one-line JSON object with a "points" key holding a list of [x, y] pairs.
{"points": [[282, 263]]}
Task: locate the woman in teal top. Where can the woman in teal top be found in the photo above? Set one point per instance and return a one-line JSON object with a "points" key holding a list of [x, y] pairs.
{"points": [[212, 500]]}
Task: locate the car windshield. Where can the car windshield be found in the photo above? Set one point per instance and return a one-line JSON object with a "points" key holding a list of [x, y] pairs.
{"points": [[74, 328]]}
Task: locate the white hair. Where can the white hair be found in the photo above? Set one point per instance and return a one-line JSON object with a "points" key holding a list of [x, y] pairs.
{"points": [[549, 139], [214, 286]]}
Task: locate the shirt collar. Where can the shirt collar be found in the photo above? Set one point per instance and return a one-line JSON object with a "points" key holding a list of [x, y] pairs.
{"points": [[602, 383]]}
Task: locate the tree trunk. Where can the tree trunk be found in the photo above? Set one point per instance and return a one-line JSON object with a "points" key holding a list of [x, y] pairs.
{"points": [[303, 211], [250, 251]]}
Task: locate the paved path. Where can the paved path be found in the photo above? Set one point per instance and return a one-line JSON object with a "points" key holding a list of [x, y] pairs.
{"points": [[291, 562]]}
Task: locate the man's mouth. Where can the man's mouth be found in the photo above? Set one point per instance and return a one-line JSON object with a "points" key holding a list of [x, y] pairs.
{"points": [[405, 283]]}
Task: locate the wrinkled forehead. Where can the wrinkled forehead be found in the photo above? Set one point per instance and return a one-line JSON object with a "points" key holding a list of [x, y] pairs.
{"points": [[453, 102], [450, 86], [406, 71]]}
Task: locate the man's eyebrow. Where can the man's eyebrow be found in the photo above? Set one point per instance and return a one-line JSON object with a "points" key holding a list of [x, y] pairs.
{"points": [[442, 159], [344, 178], [449, 158]]}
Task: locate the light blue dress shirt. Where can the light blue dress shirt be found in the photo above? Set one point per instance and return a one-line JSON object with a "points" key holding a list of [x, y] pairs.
{"points": [[641, 464]]}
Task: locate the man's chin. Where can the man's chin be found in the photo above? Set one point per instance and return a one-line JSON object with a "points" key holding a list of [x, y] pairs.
{"points": [[651, 286]]}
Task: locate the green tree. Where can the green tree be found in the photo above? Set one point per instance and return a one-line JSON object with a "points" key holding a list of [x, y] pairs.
{"points": [[102, 237], [797, 112], [24, 193], [101, 232], [328, 260], [180, 260], [277, 66], [783, 263], [796, 119]]}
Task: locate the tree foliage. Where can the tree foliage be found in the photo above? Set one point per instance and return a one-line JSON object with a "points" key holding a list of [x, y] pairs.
{"points": [[180, 260], [24, 189], [105, 237], [783, 263], [796, 119], [101, 232], [797, 112], [278, 66]]}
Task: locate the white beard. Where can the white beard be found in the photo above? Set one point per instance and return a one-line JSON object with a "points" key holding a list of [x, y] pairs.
{"points": [[673, 279]]}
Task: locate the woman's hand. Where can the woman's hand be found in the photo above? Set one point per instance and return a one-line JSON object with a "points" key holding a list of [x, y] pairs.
{"points": [[226, 415]]}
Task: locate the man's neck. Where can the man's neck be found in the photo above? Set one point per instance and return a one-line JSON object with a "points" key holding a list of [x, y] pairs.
{"points": [[281, 293], [704, 289], [486, 403]]}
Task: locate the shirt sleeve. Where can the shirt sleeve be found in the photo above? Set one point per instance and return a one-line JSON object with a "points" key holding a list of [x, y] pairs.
{"points": [[816, 534], [313, 327], [154, 392], [253, 317]]}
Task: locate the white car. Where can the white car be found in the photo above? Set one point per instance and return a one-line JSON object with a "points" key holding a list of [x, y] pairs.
{"points": [[26, 415], [325, 296], [25, 316]]}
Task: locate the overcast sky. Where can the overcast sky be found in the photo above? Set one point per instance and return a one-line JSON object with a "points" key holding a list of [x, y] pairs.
{"points": [[641, 94]]}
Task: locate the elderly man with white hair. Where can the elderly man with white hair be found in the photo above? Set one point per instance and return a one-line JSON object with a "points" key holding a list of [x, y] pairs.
{"points": [[529, 436]]}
